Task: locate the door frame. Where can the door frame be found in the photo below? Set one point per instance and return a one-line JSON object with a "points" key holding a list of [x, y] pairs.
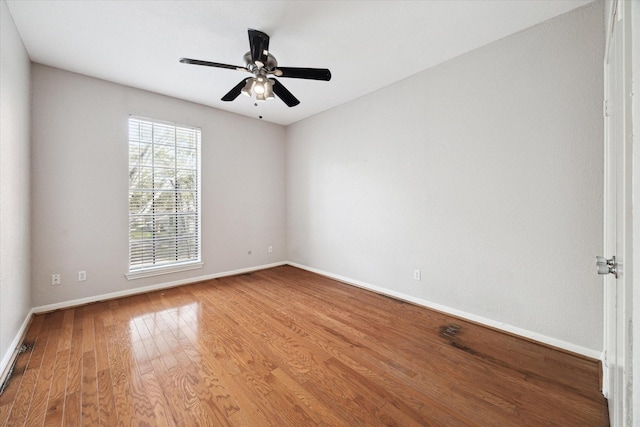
{"points": [[609, 356], [620, 237]]}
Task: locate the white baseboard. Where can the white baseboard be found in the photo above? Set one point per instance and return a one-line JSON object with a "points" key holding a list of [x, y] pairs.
{"points": [[150, 288], [7, 359], [564, 345]]}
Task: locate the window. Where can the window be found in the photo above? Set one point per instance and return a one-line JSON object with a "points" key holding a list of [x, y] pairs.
{"points": [[164, 197]]}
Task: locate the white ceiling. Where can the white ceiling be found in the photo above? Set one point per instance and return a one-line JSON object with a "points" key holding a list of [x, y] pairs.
{"points": [[366, 44]]}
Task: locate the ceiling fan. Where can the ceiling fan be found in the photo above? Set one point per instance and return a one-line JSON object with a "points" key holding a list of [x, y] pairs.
{"points": [[262, 64]]}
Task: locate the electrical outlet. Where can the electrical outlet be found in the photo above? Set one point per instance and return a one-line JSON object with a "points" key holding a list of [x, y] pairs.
{"points": [[55, 279], [417, 275], [270, 249], [82, 276]]}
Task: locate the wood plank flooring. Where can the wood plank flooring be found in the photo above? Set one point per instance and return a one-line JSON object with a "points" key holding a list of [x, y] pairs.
{"points": [[285, 347]]}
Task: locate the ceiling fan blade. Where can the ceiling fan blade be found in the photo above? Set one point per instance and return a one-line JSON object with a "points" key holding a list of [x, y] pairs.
{"points": [[304, 73], [211, 64], [284, 94], [259, 47], [233, 93]]}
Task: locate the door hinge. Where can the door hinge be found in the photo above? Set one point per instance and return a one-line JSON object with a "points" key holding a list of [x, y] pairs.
{"points": [[605, 108], [607, 266]]}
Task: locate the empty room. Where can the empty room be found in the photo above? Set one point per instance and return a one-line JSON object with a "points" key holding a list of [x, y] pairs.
{"points": [[319, 213]]}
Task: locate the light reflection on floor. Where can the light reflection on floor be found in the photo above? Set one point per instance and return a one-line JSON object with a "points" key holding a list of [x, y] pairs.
{"points": [[158, 334]]}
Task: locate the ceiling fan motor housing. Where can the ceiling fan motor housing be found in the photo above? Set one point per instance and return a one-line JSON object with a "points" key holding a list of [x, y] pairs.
{"points": [[270, 66]]}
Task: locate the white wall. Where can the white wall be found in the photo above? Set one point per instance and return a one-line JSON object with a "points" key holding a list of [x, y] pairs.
{"points": [[80, 185], [484, 172], [15, 291]]}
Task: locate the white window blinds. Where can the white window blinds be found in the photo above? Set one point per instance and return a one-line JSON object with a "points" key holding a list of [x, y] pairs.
{"points": [[164, 195]]}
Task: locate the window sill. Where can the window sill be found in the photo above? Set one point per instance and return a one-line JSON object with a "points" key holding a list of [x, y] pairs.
{"points": [[149, 272]]}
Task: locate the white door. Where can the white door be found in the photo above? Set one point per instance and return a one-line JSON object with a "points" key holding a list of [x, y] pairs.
{"points": [[618, 297]]}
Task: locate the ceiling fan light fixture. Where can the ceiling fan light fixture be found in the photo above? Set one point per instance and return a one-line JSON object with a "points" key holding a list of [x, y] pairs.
{"points": [[248, 88], [268, 93], [259, 87]]}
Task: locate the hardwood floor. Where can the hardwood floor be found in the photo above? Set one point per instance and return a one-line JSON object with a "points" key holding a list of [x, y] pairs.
{"points": [[285, 347]]}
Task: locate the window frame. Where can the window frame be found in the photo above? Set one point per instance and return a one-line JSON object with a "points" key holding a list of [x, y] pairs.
{"points": [[150, 268]]}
